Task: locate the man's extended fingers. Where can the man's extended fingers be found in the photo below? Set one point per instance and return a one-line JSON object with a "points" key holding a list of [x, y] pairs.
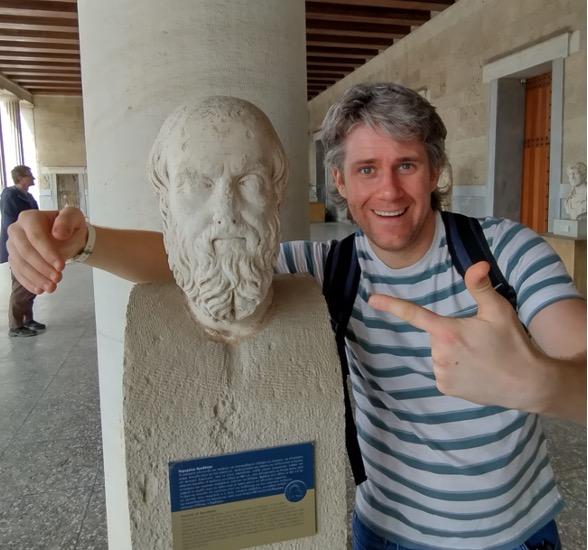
{"points": [[413, 314], [30, 279], [43, 254], [25, 261], [478, 283]]}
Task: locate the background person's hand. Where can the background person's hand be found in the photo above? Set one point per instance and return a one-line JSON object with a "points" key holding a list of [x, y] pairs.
{"points": [[40, 242], [487, 359]]}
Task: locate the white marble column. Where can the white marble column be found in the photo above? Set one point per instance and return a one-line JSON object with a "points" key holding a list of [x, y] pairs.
{"points": [[11, 133], [140, 58]]}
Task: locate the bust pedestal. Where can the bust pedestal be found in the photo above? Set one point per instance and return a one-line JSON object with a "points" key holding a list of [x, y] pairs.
{"points": [[186, 396], [570, 228]]}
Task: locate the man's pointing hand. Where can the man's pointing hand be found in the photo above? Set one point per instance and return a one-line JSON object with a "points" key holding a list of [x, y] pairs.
{"points": [[487, 358]]}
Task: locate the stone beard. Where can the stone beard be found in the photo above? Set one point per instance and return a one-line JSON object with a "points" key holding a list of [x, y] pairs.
{"points": [[229, 286]]}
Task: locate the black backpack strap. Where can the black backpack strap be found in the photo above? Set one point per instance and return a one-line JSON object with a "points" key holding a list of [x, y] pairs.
{"points": [[340, 283], [468, 245]]}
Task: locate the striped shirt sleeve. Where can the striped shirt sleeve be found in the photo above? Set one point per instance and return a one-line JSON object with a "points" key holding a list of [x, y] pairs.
{"points": [[532, 267], [303, 257]]}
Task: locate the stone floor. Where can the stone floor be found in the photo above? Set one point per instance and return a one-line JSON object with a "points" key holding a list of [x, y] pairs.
{"points": [[51, 478], [51, 475]]}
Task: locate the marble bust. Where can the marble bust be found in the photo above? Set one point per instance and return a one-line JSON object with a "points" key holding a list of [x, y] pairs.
{"points": [[220, 172], [575, 203], [231, 357]]}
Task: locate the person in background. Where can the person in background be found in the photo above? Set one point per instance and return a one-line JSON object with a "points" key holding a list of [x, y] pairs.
{"points": [[14, 200]]}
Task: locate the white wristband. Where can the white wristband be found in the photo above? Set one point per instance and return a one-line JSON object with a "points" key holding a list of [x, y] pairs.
{"points": [[89, 248]]}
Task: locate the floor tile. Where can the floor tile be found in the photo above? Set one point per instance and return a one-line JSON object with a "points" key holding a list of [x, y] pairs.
{"points": [[62, 464], [62, 417], [566, 444], [572, 521], [43, 521], [77, 378], [93, 534], [14, 414]]}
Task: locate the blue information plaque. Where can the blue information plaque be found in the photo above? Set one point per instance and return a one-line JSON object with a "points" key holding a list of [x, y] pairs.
{"points": [[243, 499]]}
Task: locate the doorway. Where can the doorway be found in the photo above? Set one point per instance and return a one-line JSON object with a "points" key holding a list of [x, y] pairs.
{"points": [[535, 178]]}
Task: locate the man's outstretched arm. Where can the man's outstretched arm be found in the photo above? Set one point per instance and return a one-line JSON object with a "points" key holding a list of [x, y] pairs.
{"points": [[40, 242], [559, 331]]}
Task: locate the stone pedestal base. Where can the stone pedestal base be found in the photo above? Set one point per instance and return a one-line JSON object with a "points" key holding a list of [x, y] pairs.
{"points": [[186, 396], [573, 254], [570, 228]]}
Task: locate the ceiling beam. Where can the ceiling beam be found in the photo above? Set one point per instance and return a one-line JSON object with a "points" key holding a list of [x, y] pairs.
{"points": [[38, 7], [43, 23], [42, 78], [365, 14], [325, 77], [327, 51], [345, 41], [346, 28], [76, 93], [18, 46], [38, 56], [340, 60], [50, 86], [424, 5], [28, 34], [12, 87], [329, 68], [44, 63], [10, 72]]}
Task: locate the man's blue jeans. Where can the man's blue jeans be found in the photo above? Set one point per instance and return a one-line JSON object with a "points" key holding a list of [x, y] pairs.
{"points": [[547, 538]]}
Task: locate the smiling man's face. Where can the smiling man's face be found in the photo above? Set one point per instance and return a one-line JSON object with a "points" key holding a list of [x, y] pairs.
{"points": [[388, 184]]}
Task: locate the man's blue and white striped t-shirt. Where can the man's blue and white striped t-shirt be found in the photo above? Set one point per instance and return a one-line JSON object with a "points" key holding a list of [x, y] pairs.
{"points": [[443, 473]]}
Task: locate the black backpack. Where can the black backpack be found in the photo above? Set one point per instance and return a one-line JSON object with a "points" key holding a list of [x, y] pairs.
{"points": [[467, 245]]}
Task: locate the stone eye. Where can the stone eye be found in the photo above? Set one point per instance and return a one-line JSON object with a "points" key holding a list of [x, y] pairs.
{"points": [[250, 179]]}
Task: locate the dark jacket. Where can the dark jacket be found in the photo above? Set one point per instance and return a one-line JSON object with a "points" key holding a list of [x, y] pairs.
{"points": [[12, 202]]}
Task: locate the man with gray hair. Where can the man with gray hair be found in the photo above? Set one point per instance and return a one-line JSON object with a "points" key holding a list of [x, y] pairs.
{"points": [[447, 382], [441, 471]]}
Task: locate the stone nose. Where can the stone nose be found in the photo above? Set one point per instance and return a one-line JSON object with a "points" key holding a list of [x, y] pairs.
{"points": [[225, 213]]}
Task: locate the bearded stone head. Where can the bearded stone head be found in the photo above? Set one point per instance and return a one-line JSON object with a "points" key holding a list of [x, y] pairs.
{"points": [[577, 174], [220, 172]]}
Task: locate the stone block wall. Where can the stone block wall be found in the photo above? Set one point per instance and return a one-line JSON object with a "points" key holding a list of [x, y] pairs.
{"points": [[59, 130], [446, 55]]}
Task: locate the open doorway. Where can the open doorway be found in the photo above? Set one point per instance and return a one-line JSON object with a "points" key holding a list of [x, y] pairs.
{"points": [[526, 132], [64, 186], [71, 191]]}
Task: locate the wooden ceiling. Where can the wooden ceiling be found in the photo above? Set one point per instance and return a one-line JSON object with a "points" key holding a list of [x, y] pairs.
{"points": [[39, 44], [342, 35]]}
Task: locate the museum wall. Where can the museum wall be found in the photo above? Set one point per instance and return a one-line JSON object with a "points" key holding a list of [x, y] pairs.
{"points": [[445, 57], [59, 130]]}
